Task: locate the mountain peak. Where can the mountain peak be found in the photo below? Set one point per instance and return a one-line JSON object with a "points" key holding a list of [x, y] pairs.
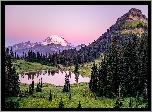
{"points": [[135, 11], [56, 40], [133, 14]]}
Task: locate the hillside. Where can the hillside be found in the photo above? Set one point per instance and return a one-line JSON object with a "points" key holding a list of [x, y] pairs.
{"points": [[23, 66], [131, 23]]}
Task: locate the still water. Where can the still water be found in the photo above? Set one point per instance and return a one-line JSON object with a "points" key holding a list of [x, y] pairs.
{"points": [[56, 77]]}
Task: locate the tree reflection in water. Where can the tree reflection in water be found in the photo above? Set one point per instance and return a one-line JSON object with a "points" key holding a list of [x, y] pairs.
{"points": [[76, 77], [49, 72], [55, 78]]}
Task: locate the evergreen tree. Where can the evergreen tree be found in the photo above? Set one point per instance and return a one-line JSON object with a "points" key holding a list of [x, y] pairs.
{"points": [[61, 105], [11, 77], [76, 68], [15, 56], [113, 73], [70, 97], [18, 57], [94, 80], [102, 83], [50, 98], [79, 105], [12, 54], [66, 87], [30, 89], [39, 89]]}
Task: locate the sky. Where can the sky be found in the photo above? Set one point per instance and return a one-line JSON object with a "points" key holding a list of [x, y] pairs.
{"points": [[78, 24]]}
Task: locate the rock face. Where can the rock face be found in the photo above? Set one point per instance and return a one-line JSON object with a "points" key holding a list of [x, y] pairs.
{"points": [[133, 14]]}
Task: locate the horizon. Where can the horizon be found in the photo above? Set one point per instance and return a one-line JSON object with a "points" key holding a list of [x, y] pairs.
{"points": [[77, 24]]}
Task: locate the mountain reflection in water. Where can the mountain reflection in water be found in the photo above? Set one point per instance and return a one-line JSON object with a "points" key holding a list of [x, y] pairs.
{"points": [[55, 77]]}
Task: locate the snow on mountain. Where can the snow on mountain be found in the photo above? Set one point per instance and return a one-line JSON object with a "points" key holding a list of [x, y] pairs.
{"points": [[51, 44], [55, 39]]}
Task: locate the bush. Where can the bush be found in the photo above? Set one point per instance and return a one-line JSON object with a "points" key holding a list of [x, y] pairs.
{"points": [[30, 89], [12, 103], [38, 89]]}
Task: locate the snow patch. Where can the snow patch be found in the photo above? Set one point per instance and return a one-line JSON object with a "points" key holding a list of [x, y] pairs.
{"points": [[55, 39]]}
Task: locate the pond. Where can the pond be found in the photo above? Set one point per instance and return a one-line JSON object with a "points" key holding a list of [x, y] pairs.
{"points": [[56, 77]]}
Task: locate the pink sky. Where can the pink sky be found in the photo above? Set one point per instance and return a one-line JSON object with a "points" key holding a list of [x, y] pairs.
{"points": [[78, 24]]}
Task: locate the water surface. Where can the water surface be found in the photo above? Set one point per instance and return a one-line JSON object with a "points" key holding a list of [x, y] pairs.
{"points": [[56, 77]]}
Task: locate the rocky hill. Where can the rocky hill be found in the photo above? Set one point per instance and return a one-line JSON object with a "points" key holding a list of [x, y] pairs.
{"points": [[131, 22]]}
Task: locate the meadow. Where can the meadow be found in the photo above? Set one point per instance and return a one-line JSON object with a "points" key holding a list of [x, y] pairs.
{"points": [[85, 69], [78, 91], [24, 66], [89, 100]]}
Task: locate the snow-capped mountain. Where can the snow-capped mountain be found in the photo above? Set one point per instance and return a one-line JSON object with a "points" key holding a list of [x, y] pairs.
{"points": [[51, 44], [56, 40]]}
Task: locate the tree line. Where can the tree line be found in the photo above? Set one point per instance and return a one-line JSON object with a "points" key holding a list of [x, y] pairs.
{"points": [[125, 66]]}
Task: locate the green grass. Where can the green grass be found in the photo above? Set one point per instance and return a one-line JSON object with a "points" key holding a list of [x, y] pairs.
{"points": [[84, 69], [134, 23], [23, 66], [76, 92]]}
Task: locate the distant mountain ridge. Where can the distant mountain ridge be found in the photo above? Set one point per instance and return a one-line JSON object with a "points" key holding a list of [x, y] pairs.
{"points": [[51, 44]]}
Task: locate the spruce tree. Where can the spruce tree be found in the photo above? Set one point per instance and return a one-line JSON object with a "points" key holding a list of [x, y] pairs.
{"points": [[39, 89], [113, 59], [11, 77], [93, 82], [30, 89], [70, 96], [76, 68], [79, 105], [102, 83], [61, 105], [66, 87], [50, 98]]}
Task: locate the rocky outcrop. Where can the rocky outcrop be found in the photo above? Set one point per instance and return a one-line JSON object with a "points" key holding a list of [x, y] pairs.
{"points": [[133, 14]]}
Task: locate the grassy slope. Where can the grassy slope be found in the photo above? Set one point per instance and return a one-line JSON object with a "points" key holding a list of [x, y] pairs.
{"points": [[77, 91], [133, 24], [84, 70], [23, 66]]}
